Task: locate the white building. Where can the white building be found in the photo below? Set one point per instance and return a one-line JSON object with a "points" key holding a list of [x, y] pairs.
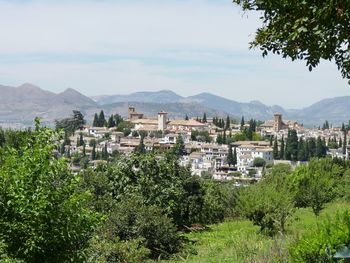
{"points": [[248, 151]]}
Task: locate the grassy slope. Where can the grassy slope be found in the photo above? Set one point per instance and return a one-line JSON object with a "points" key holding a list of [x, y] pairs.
{"points": [[239, 241]]}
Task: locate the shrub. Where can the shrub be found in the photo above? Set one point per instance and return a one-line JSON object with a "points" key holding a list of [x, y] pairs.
{"points": [[321, 243], [130, 219]]}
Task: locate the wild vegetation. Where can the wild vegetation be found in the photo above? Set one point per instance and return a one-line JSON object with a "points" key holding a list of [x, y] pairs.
{"points": [[137, 208]]}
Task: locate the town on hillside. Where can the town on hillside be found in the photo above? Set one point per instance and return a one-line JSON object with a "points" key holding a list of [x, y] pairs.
{"points": [[217, 148]]}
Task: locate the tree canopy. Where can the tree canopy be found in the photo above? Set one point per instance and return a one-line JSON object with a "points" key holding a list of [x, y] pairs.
{"points": [[304, 30]]}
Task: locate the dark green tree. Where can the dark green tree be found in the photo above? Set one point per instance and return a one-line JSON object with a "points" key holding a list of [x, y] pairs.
{"points": [[275, 149], [186, 117], [80, 142], [140, 149], [219, 139], [321, 150], [302, 156], [93, 152], [96, 121], [230, 159], [204, 120], [111, 121], [304, 30], [234, 156], [228, 122], [71, 124], [292, 146], [312, 147], [345, 140], [282, 149], [101, 119], [179, 147], [43, 217], [242, 123]]}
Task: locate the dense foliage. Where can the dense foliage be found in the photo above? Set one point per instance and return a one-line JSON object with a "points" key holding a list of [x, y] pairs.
{"points": [[306, 30], [43, 218]]}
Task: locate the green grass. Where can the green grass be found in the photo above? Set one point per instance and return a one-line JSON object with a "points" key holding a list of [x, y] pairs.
{"points": [[240, 241]]}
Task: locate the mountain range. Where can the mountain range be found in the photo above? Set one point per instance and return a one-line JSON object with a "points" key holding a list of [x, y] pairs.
{"points": [[20, 105]]}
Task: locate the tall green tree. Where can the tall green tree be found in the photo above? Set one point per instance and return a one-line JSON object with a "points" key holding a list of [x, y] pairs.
{"points": [[345, 141], [204, 120], [71, 124], [242, 123], [93, 152], [302, 156], [43, 217], [228, 123], [234, 156], [96, 121], [312, 147], [275, 149], [230, 159], [282, 149], [321, 150], [292, 146], [101, 119], [111, 122]]}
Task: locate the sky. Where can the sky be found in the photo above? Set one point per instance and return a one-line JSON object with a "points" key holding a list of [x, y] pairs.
{"points": [[123, 46]]}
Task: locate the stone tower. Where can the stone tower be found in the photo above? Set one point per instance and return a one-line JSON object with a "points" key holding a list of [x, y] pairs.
{"points": [[277, 125], [131, 110], [162, 118]]}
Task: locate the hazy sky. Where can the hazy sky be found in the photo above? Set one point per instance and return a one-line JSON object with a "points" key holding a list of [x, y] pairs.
{"points": [[122, 46]]}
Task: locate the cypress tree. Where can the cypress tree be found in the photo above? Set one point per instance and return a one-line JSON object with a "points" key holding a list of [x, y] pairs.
{"points": [[105, 152], [93, 153], [234, 156], [319, 148], [282, 149], [81, 139], [230, 159], [224, 138], [301, 150], [84, 150], [312, 147], [228, 122], [96, 121], [271, 140], [344, 143], [242, 123], [186, 117], [111, 121], [275, 149], [101, 119], [204, 118]]}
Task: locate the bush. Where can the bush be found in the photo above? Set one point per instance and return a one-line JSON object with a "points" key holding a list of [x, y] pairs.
{"points": [[130, 219], [259, 162], [217, 203], [321, 243], [105, 250]]}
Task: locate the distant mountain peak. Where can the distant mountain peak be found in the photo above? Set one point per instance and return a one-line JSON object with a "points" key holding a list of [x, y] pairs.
{"points": [[70, 91], [29, 86]]}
